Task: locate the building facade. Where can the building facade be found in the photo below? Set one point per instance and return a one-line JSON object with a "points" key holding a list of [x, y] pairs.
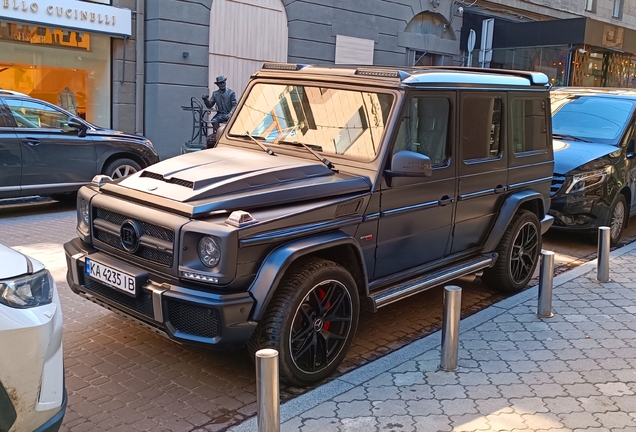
{"points": [[139, 72]]}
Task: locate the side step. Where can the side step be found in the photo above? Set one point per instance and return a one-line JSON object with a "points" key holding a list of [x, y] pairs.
{"points": [[429, 280]]}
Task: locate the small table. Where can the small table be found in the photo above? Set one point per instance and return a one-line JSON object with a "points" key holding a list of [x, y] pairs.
{"points": [[200, 125]]}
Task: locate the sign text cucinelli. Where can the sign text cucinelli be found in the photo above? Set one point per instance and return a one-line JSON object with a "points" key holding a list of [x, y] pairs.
{"points": [[77, 14]]}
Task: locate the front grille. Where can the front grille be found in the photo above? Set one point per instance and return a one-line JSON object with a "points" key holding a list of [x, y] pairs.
{"points": [[142, 303], [557, 183], [161, 257], [194, 320]]}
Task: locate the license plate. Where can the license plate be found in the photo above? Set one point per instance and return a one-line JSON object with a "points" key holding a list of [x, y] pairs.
{"points": [[111, 277]]}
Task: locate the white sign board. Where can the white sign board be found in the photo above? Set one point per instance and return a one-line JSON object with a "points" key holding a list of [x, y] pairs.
{"points": [[70, 14], [351, 50]]}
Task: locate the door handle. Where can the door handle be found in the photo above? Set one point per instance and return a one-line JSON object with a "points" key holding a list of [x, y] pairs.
{"points": [[31, 141], [444, 201], [500, 189]]}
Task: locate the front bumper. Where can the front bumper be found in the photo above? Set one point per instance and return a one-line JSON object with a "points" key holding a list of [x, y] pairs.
{"points": [[579, 212], [55, 422], [186, 314]]}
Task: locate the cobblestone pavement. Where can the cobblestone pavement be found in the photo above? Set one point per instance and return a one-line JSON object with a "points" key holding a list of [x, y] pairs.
{"points": [[122, 376], [575, 371]]}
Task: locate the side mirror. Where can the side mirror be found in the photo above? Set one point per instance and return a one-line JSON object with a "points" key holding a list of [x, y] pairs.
{"points": [[76, 123], [631, 148], [406, 163]]}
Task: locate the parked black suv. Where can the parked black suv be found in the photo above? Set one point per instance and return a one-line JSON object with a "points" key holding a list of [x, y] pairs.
{"points": [[45, 150], [332, 188], [594, 182]]}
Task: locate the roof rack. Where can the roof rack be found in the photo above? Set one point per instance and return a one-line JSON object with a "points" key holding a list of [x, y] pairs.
{"points": [[536, 78], [283, 66]]}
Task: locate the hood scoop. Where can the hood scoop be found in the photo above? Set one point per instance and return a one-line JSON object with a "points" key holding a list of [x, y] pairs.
{"points": [[226, 171], [172, 180]]}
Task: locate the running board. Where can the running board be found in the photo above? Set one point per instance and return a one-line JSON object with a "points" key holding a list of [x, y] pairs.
{"points": [[414, 286]]}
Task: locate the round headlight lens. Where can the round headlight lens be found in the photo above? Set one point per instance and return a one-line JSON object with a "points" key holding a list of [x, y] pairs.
{"points": [[83, 211], [209, 251]]}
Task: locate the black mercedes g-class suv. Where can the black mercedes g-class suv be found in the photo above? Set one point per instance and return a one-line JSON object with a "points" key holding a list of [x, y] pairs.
{"points": [[331, 189]]}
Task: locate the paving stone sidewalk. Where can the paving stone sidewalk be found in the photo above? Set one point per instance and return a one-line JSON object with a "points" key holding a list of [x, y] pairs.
{"points": [[575, 371]]}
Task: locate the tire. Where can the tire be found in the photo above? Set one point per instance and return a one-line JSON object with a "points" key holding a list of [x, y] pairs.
{"points": [[297, 321], [616, 219], [518, 251], [120, 168]]}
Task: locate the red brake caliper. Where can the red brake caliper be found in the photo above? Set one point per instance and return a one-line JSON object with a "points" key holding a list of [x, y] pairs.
{"points": [[322, 294]]}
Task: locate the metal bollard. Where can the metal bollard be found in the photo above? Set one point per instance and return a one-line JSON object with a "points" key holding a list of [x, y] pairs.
{"points": [[450, 327], [603, 254], [267, 391], [544, 307]]}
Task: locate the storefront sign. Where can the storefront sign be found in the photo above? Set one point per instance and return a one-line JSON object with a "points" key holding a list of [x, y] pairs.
{"points": [[72, 14]]}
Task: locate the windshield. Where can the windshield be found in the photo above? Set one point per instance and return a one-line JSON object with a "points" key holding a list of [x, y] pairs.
{"points": [[590, 118], [329, 120]]}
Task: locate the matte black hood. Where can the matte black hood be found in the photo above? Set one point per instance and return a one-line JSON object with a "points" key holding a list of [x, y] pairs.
{"points": [[570, 155], [226, 178]]}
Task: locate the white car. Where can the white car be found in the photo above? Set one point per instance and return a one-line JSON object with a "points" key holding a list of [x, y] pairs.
{"points": [[32, 393]]}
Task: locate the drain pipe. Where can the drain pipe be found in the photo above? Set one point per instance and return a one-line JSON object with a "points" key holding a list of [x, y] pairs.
{"points": [[140, 66]]}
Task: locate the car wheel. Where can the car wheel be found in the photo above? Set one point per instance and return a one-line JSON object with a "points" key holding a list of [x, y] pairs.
{"points": [[518, 252], [616, 219], [311, 321], [121, 168]]}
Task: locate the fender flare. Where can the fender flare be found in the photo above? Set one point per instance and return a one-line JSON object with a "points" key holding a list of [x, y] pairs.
{"points": [[280, 259], [508, 210]]}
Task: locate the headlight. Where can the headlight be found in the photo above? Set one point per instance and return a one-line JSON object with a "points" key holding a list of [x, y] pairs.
{"points": [[583, 181], [148, 143], [209, 251], [27, 291], [82, 211]]}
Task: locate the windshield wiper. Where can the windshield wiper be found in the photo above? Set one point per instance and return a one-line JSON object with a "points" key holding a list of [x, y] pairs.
{"points": [[569, 137], [260, 144], [324, 160]]}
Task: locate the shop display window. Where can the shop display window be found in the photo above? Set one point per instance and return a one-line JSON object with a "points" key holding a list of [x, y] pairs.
{"points": [[70, 69], [552, 61]]}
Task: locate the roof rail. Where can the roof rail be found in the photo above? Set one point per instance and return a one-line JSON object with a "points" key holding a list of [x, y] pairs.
{"points": [[283, 66], [536, 78], [383, 73]]}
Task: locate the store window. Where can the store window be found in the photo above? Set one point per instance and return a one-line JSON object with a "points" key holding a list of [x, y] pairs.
{"points": [[67, 68], [552, 61]]}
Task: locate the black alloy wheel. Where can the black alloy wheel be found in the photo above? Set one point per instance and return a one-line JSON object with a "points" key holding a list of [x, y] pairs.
{"points": [[310, 321], [524, 253], [518, 254], [320, 326]]}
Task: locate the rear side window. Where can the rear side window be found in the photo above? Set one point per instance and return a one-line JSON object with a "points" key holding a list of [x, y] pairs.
{"points": [[481, 127], [528, 123]]}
